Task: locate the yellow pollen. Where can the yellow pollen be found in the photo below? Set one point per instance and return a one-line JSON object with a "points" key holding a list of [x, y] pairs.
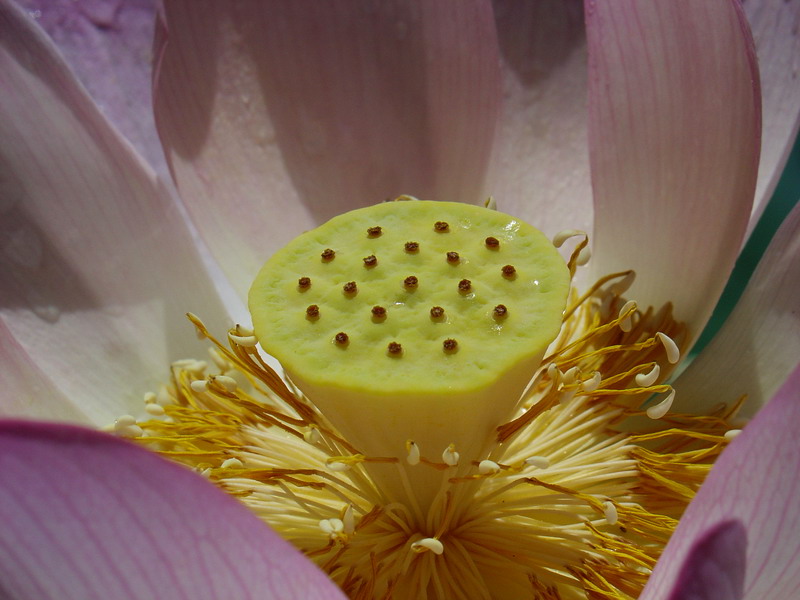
{"points": [[565, 499]]}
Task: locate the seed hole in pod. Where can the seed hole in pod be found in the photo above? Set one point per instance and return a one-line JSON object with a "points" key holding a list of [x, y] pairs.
{"points": [[492, 243], [437, 312], [350, 288], [304, 283], [378, 312], [500, 311], [441, 226], [328, 255], [341, 339], [464, 286], [410, 282], [370, 261], [509, 271], [394, 349], [375, 231], [453, 258], [450, 345], [312, 312], [412, 247]]}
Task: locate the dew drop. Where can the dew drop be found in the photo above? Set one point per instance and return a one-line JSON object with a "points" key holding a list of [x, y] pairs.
{"points": [[48, 313]]}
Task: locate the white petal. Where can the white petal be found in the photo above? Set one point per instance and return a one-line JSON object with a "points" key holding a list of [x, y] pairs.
{"points": [[97, 267], [540, 165], [775, 25], [759, 344], [674, 131], [278, 116]]}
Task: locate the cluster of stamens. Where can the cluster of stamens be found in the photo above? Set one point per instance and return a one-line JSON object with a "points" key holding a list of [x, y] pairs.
{"points": [[563, 503]]}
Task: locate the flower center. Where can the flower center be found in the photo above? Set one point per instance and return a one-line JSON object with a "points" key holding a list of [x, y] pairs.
{"points": [[570, 492]]}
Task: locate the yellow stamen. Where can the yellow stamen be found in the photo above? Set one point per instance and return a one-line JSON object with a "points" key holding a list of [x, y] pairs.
{"points": [[568, 500]]}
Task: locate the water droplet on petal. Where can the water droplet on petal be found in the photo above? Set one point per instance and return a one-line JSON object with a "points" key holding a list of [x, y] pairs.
{"points": [[49, 313]]}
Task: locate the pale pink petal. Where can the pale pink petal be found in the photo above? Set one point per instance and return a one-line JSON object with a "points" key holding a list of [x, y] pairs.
{"points": [[26, 390], [540, 164], [276, 116], [759, 344], [674, 130], [776, 30], [85, 516], [714, 567], [756, 482], [97, 267], [109, 47]]}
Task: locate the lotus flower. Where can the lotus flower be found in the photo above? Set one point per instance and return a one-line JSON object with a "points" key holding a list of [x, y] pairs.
{"points": [[276, 116]]}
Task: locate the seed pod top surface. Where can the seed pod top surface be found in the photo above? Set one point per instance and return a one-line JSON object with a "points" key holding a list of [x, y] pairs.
{"points": [[487, 347]]}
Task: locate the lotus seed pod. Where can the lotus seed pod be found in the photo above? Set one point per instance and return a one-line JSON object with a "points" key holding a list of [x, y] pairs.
{"points": [[461, 367]]}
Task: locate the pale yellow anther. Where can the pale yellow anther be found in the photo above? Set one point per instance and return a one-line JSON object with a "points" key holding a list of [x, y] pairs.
{"points": [[246, 341], [164, 397], [232, 463], [732, 433], [332, 527], [671, 348], [196, 367], [349, 520], [199, 385], [659, 410], [428, 544], [626, 316], [154, 409], [540, 462], [591, 384], [584, 256], [450, 457], [343, 463], [228, 383], [563, 236], [124, 421], [610, 512], [312, 435], [338, 466], [243, 330], [412, 451], [571, 375], [649, 378], [129, 431], [488, 467], [149, 398]]}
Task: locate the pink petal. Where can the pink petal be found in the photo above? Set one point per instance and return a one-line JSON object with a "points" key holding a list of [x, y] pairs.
{"points": [[714, 568], [756, 482], [109, 46], [759, 344], [26, 390], [97, 267], [276, 116], [540, 166], [674, 129], [775, 25], [86, 516]]}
